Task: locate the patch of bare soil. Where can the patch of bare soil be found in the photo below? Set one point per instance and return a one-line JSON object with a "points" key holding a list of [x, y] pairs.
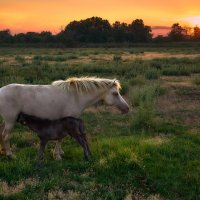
{"points": [[182, 101], [59, 194], [153, 55], [5, 189], [137, 195], [125, 56]]}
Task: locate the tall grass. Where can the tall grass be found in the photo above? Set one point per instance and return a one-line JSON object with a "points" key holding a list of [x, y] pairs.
{"points": [[196, 80], [152, 74], [144, 99], [145, 94]]}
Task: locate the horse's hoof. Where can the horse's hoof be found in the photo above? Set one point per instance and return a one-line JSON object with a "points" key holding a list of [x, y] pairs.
{"points": [[86, 158], [37, 166], [11, 156], [61, 152], [57, 157], [2, 152]]}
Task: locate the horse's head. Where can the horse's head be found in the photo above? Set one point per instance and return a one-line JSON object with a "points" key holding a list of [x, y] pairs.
{"points": [[114, 98]]}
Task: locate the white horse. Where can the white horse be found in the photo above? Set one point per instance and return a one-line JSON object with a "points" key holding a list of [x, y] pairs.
{"points": [[60, 99]]}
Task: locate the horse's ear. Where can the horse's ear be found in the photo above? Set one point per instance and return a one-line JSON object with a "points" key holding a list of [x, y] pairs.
{"points": [[114, 82]]}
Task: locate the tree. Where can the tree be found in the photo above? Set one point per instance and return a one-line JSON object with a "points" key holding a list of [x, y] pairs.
{"points": [[177, 33], [93, 30], [138, 32], [196, 34], [5, 36], [46, 37], [119, 31], [160, 39]]}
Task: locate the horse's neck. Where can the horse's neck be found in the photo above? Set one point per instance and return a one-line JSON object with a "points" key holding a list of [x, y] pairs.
{"points": [[90, 99]]}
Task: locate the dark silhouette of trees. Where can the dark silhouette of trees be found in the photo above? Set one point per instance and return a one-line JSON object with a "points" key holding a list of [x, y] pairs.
{"points": [[119, 32], [177, 33], [33, 37], [98, 30], [196, 34], [91, 30], [46, 37], [138, 32], [5, 36], [160, 39]]}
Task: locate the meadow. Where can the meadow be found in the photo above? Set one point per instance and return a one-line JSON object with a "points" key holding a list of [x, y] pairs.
{"points": [[151, 153]]}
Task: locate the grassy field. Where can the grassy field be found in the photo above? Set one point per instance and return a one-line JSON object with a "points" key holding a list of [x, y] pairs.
{"points": [[152, 153]]}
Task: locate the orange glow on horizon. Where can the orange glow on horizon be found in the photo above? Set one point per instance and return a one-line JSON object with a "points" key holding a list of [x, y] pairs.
{"points": [[193, 20], [52, 15]]}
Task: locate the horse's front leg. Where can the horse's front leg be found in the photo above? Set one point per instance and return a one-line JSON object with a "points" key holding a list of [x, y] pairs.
{"points": [[5, 139], [58, 150]]}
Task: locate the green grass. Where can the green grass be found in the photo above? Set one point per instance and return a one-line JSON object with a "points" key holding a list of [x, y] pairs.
{"points": [[142, 152], [196, 80], [149, 163]]}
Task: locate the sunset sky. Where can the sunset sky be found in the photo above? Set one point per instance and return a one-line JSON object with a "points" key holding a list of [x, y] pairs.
{"points": [[38, 15]]}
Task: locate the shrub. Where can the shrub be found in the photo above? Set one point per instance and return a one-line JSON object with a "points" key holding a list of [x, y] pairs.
{"points": [[152, 74], [117, 58], [71, 57], [20, 59], [125, 87], [144, 117], [138, 80], [145, 94], [176, 71], [196, 80]]}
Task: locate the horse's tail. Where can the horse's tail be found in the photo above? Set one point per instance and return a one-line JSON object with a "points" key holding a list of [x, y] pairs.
{"points": [[2, 127]]}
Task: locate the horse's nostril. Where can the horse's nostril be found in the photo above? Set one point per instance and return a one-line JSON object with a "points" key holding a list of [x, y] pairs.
{"points": [[125, 110]]}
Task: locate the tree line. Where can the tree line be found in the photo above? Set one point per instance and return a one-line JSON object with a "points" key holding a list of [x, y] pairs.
{"points": [[98, 30]]}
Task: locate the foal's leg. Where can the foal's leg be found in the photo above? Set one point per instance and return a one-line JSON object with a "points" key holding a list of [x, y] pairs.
{"points": [[41, 152], [57, 150], [83, 143], [86, 142], [60, 148], [83, 136]]}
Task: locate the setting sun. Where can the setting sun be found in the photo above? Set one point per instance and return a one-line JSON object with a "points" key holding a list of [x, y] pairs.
{"points": [[193, 21]]}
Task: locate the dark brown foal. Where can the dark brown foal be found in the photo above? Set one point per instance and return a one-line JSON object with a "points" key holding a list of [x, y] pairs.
{"points": [[55, 130]]}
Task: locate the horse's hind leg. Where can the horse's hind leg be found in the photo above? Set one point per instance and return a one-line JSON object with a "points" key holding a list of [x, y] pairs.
{"points": [[6, 139], [2, 126]]}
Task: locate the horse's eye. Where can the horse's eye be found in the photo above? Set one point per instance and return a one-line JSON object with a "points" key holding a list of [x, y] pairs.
{"points": [[115, 93]]}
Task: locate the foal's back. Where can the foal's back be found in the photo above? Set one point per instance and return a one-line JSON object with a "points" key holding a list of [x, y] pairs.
{"points": [[52, 129]]}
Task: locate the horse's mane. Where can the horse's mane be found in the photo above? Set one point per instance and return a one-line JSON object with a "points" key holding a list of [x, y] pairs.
{"points": [[86, 84]]}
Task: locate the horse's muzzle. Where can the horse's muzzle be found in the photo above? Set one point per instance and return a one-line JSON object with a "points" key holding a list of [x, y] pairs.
{"points": [[125, 110]]}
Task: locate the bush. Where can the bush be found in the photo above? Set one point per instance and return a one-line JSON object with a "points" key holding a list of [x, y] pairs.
{"points": [[20, 59], [152, 74], [144, 117], [125, 87], [176, 71], [146, 94], [196, 80], [138, 80], [144, 99], [117, 58]]}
